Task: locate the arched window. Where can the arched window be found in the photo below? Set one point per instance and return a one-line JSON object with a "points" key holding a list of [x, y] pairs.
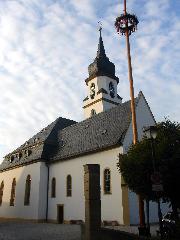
{"points": [[69, 186], [13, 191], [107, 181], [112, 89], [27, 191], [1, 192], [53, 188], [93, 112]]}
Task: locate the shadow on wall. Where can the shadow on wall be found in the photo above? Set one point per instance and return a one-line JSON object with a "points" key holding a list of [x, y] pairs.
{"points": [[20, 197], [153, 209]]}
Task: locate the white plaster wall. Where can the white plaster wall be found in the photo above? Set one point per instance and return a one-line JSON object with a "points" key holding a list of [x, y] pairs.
{"points": [[144, 118], [74, 207], [43, 181], [100, 82], [19, 210], [107, 105], [98, 107], [153, 206]]}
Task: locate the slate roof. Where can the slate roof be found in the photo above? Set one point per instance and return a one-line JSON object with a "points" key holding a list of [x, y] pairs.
{"points": [[99, 132], [64, 138], [38, 146]]}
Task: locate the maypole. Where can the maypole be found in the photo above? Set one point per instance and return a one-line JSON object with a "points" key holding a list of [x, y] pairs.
{"points": [[126, 24]]}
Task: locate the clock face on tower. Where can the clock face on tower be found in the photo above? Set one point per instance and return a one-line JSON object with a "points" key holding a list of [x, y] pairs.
{"points": [[111, 90], [92, 90]]}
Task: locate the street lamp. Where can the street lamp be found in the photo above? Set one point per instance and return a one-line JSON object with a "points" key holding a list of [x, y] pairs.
{"points": [[151, 133]]}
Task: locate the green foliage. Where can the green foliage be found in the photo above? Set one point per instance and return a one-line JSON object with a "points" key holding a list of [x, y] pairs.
{"points": [[136, 166]]}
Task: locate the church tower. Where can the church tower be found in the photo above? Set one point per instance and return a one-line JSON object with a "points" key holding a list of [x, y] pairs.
{"points": [[101, 84]]}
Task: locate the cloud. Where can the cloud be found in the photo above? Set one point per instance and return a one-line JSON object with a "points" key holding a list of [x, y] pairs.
{"points": [[47, 45]]}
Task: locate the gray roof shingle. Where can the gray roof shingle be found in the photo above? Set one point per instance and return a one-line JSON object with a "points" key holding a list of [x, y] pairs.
{"points": [[39, 145], [99, 132], [64, 138]]}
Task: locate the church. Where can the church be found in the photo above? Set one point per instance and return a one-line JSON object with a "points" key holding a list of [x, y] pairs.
{"points": [[42, 180]]}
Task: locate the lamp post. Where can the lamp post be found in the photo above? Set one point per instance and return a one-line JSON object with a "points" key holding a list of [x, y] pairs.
{"points": [[151, 133]]}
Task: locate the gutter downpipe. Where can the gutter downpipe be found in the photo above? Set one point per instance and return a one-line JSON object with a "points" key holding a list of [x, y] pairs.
{"points": [[47, 197]]}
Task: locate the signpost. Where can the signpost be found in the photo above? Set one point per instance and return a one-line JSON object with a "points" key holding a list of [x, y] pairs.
{"points": [[156, 182]]}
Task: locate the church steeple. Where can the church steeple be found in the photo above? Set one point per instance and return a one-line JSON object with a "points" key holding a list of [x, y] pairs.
{"points": [[101, 51], [101, 65], [101, 83]]}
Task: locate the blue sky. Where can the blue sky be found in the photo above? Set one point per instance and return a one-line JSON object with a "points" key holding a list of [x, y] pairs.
{"points": [[47, 45]]}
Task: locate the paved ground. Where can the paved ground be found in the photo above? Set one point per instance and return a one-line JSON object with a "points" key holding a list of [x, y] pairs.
{"points": [[38, 231], [134, 229], [48, 231]]}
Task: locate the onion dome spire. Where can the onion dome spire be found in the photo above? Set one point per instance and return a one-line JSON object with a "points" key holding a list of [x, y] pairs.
{"points": [[101, 65]]}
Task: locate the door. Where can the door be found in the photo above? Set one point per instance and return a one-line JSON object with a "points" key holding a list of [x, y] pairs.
{"points": [[60, 213]]}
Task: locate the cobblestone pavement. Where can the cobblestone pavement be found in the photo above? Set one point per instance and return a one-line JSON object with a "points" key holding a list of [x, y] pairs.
{"points": [[38, 231]]}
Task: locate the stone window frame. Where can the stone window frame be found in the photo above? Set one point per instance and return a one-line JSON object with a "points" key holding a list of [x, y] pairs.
{"points": [[53, 187], [1, 192], [27, 192], [13, 192], [69, 186], [107, 181]]}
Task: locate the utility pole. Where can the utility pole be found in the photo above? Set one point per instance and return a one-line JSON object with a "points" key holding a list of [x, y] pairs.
{"points": [[126, 24]]}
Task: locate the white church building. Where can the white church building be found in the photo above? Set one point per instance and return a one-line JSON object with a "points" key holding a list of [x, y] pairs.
{"points": [[43, 179]]}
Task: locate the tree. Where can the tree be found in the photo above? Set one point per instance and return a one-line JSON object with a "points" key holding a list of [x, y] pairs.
{"points": [[136, 166]]}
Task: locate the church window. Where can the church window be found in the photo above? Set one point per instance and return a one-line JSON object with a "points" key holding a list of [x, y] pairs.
{"points": [[104, 131], [19, 156], [27, 152], [36, 140], [107, 181], [1, 192], [12, 158], [13, 190], [27, 191], [69, 186], [93, 112], [111, 90], [53, 188], [92, 91]]}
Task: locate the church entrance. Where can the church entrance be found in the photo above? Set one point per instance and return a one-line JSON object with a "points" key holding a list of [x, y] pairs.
{"points": [[60, 213]]}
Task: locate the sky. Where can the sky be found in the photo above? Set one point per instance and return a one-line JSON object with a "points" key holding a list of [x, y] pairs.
{"points": [[47, 45]]}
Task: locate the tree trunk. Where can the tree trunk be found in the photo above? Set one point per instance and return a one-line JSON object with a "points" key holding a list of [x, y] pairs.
{"points": [[174, 209]]}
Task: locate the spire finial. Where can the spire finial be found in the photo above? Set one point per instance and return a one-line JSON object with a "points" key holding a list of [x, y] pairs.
{"points": [[100, 28], [101, 50]]}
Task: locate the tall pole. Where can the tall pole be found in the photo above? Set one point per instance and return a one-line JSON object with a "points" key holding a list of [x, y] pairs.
{"points": [[133, 112], [126, 24]]}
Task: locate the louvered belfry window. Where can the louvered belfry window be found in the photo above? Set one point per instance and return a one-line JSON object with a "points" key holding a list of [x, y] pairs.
{"points": [[107, 181], [27, 191], [69, 186], [13, 191]]}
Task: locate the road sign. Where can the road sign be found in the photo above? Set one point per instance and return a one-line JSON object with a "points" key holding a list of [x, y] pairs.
{"points": [[157, 187], [156, 178]]}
